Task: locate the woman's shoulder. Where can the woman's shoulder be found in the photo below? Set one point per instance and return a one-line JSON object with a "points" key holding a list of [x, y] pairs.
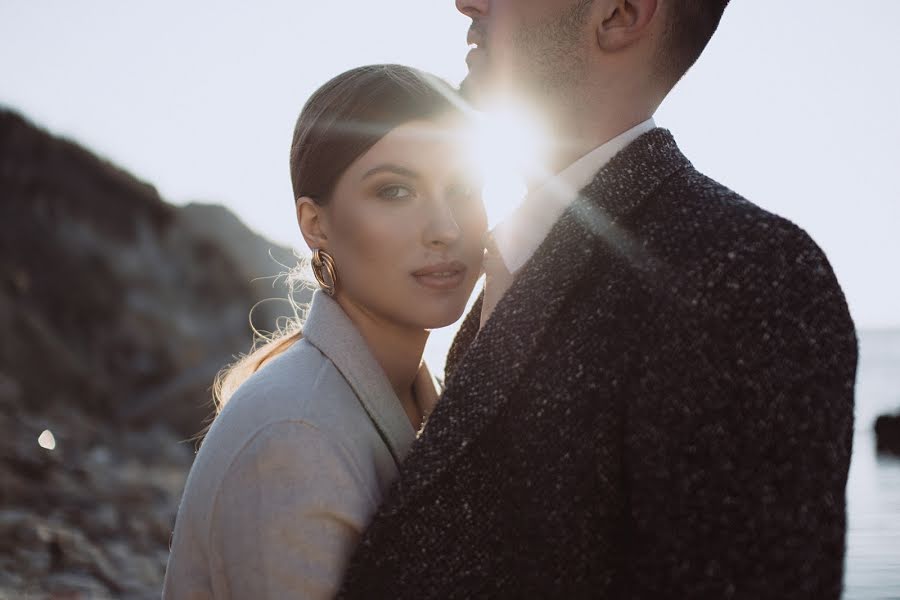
{"points": [[292, 423], [300, 385], [300, 395], [287, 382]]}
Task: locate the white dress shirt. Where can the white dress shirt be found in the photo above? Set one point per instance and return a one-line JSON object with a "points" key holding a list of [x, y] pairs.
{"points": [[518, 236]]}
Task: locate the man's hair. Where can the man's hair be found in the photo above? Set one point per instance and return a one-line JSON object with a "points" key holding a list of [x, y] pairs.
{"points": [[689, 26]]}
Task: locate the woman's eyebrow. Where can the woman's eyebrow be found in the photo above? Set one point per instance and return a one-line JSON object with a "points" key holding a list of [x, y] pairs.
{"points": [[391, 168]]}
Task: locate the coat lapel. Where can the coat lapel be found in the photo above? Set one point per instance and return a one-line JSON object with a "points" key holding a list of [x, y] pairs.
{"points": [[328, 328], [484, 368], [464, 337]]}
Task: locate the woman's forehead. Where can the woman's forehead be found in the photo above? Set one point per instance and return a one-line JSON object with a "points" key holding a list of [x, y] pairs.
{"points": [[434, 144]]}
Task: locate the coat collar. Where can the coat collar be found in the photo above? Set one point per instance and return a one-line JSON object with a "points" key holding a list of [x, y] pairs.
{"points": [[328, 328], [484, 367]]}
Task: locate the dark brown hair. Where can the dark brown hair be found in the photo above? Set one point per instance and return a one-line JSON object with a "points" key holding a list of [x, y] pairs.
{"points": [[690, 24], [349, 114]]}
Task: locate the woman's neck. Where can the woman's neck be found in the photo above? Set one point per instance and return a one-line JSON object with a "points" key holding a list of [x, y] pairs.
{"points": [[397, 349]]}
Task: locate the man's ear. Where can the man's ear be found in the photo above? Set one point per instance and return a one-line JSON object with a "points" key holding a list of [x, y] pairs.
{"points": [[310, 219], [623, 22]]}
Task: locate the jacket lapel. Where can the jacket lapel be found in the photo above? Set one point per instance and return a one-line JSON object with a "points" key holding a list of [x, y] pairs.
{"points": [[328, 328], [464, 337], [484, 368]]}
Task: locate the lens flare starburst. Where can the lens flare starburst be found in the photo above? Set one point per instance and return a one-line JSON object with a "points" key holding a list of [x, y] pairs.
{"points": [[507, 145]]}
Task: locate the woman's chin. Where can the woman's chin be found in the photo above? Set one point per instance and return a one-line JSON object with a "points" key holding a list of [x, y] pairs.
{"points": [[441, 317]]}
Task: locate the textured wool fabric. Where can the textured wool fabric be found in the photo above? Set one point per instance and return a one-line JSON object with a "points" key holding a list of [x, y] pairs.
{"points": [[660, 406], [497, 279]]}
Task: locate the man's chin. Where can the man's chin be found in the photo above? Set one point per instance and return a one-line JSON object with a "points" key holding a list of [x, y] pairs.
{"points": [[484, 88], [476, 89]]}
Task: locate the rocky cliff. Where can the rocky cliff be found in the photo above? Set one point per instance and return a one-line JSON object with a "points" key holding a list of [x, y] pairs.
{"points": [[116, 311]]}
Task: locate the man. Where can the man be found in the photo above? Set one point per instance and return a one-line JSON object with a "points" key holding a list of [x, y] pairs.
{"points": [[654, 396]]}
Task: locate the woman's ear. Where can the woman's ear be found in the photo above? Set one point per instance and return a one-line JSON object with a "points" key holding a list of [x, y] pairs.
{"points": [[310, 219], [623, 22]]}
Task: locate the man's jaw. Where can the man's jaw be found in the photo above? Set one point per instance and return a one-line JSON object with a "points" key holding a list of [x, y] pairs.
{"points": [[478, 61], [470, 89]]}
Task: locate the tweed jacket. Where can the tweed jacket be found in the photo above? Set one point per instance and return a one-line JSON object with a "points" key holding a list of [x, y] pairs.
{"points": [[661, 406], [291, 470]]}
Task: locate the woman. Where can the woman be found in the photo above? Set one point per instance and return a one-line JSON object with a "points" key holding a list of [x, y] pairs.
{"points": [[298, 458]]}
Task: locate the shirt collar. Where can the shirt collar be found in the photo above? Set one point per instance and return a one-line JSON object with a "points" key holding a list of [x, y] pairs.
{"points": [[518, 236]]}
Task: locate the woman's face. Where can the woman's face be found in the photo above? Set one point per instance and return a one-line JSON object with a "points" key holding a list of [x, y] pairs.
{"points": [[405, 226]]}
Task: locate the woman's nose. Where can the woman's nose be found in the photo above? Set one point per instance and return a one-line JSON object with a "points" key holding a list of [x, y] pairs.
{"points": [[442, 227]]}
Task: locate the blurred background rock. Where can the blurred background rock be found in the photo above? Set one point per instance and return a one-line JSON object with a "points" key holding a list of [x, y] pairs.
{"points": [[116, 311]]}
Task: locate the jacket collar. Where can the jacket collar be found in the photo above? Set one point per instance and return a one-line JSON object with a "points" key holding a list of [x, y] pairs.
{"points": [[484, 367], [328, 328]]}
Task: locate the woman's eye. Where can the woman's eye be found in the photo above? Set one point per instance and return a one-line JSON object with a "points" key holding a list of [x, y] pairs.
{"points": [[395, 191]]}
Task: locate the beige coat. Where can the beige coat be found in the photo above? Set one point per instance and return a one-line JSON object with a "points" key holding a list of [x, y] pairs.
{"points": [[291, 470]]}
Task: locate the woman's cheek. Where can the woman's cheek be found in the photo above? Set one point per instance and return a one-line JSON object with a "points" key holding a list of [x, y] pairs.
{"points": [[376, 245]]}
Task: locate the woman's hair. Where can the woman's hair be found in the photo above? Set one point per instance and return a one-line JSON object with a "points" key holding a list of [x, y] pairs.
{"points": [[340, 122], [351, 113]]}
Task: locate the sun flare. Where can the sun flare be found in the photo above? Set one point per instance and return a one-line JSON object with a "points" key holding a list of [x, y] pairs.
{"points": [[508, 145]]}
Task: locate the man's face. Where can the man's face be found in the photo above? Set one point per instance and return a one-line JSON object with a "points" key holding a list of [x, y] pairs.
{"points": [[538, 48]]}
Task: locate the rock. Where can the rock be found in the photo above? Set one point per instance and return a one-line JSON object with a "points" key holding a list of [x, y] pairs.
{"points": [[262, 260], [75, 552], [125, 303], [96, 519], [104, 521], [76, 586], [9, 580], [186, 399], [887, 434], [19, 533], [117, 310], [10, 391]]}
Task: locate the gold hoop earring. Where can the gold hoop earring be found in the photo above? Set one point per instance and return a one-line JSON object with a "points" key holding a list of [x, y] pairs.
{"points": [[322, 261]]}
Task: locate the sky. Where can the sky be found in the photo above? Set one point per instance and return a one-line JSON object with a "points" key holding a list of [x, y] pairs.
{"points": [[793, 105]]}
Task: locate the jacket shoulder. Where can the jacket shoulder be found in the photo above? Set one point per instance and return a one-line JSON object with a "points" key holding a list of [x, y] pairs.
{"points": [[300, 386], [297, 409], [709, 218]]}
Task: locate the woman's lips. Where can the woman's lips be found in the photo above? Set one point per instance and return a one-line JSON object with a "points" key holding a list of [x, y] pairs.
{"points": [[443, 276]]}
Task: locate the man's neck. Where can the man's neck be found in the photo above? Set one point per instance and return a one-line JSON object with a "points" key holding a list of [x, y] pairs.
{"points": [[579, 129], [573, 145]]}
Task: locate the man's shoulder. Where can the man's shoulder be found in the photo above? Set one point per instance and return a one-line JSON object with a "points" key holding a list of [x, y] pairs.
{"points": [[724, 253], [724, 222], [680, 206]]}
